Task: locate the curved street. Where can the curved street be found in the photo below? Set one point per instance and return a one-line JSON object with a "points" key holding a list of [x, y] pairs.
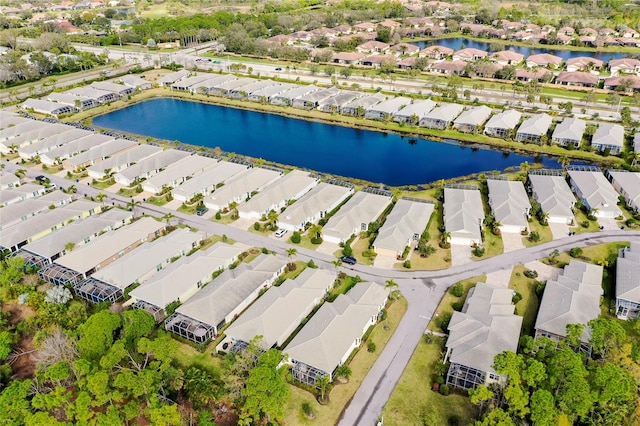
{"points": [[422, 289]]}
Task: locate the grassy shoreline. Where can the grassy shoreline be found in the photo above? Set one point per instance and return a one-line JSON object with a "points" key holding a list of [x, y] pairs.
{"points": [[445, 136]]}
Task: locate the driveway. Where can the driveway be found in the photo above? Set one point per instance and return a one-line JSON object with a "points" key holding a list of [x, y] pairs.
{"points": [[460, 254], [500, 278], [328, 248], [545, 272], [512, 241], [559, 230], [608, 223], [384, 262], [243, 223]]}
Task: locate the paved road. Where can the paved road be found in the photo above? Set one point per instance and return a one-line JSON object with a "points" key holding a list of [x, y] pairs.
{"points": [[422, 289]]}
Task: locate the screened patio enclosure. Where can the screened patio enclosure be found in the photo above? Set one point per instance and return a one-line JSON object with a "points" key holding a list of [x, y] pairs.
{"points": [[97, 291], [189, 328]]}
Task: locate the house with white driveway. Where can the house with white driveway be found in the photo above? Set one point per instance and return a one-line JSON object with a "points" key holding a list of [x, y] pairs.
{"points": [[628, 282], [463, 214], [485, 327], [595, 191], [509, 204], [628, 185], [551, 191], [403, 226], [314, 205], [240, 187], [356, 214], [277, 195]]}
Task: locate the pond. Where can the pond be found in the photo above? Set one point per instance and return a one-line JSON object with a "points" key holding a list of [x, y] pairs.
{"points": [[458, 43], [373, 156]]}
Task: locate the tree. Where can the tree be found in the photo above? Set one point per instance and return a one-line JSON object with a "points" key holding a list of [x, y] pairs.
{"points": [[131, 205], [497, 417], [69, 246], [480, 396], [323, 384], [543, 411], [315, 231], [272, 218], [337, 263], [392, 286], [167, 218], [292, 252], [100, 197], [96, 334], [58, 295], [266, 391], [343, 371]]}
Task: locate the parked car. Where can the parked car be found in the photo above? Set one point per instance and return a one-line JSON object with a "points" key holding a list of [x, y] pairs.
{"points": [[201, 211], [280, 233], [279, 69], [350, 260]]}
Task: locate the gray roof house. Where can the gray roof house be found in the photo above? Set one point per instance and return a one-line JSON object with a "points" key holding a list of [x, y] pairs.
{"points": [[636, 142], [386, 109], [570, 131], [336, 102], [277, 314], [123, 159], [361, 104], [441, 116], [132, 80], [183, 278], [19, 212], [108, 284], [628, 282], [80, 102], [288, 96], [267, 93], [472, 119], [201, 317], [210, 83], [553, 194], [171, 78], [534, 128], [9, 180], [609, 136], [485, 327], [206, 182], [120, 89], [356, 214], [312, 100], [178, 172], [403, 227], [47, 107], [314, 205], [414, 112], [74, 147], [463, 215], [290, 187], [595, 191], [241, 187], [20, 193], [628, 185], [329, 337], [191, 84], [49, 143], [150, 166], [244, 91], [102, 96], [98, 153], [574, 298], [509, 204], [503, 123]]}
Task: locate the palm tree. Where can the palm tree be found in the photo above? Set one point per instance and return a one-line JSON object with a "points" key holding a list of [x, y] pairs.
{"points": [[131, 206], [337, 263], [20, 173], [445, 237], [343, 371], [292, 252], [315, 231], [273, 217], [392, 285], [69, 247], [167, 218], [323, 383], [564, 161], [524, 167], [72, 189]]}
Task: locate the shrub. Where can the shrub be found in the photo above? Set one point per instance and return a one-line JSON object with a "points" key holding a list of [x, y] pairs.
{"points": [[516, 298], [306, 409], [311, 264], [439, 380], [444, 390], [457, 290], [316, 240], [257, 226], [457, 306], [371, 347], [540, 285], [575, 252], [265, 250], [218, 216], [631, 222], [407, 264], [534, 236], [584, 223], [478, 251], [444, 320], [347, 250], [295, 238]]}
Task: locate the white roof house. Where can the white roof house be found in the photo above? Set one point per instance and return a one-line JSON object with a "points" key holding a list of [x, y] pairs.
{"points": [[628, 282], [472, 119], [47, 107], [267, 93], [20, 193], [554, 196], [122, 160], [290, 187], [509, 204], [329, 337], [211, 82], [109, 247], [463, 215], [361, 103], [574, 298], [277, 314], [183, 278], [486, 327], [335, 103], [99, 153], [135, 81], [386, 108], [609, 136], [47, 249], [441, 116], [150, 166], [534, 128], [109, 86], [16, 213], [201, 317], [240, 88], [636, 142], [171, 78], [254, 86], [76, 146], [288, 96], [356, 215], [595, 191], [102, 96], [503, 123], [108, 283], [404, 225], [80, 102], [240, 187], [191, 83], [314, 205], [628, 185], [9, 180], [177, 173], [28, 126], [414, 111], [228, 87], [570, 131], [207, 181], [9, 119], [312, 100], [52, 142]]}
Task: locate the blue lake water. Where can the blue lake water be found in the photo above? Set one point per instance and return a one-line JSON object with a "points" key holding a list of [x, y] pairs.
{"points": [[374, 156], [457, 43]]}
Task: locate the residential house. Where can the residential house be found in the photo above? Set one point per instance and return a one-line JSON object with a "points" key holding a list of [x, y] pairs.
{"points": [[136, 82], [622, 83], [241, 187], [463, 215], [52, 142], [403, 226], [150, 166], [23, 192], [289, 96], [386, 109], [628, 282], [534, 129], [74, 147], [577, 78], [80, 102], [358, 106], [120, 89], [506, 57], [404, 49], [414, 112], [509, 204], [313, 99], [335, 103], [584, 63], [595, 191], [121, 159], [169, 79], [456, 67], [8, 181], [373, 46], [435, 52], [608, 136], [314, 205], [207, 182], [348, 58], [327, 340], [503, 124], [628, 185], [624, 66], [540, 74], [441, 116], [99, 95], [469, 55], [178, 172], [377, 60], [569, 132], [47, 107], [472, 119], [551, 191], [574, 298], [485, 327]]}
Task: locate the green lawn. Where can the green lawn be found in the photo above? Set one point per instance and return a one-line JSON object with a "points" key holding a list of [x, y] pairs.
{"points": [[581, 217], [158, 201], [543, 230], [361, 245], [446, 304], [102, 184], [527, 307], [341, 394], [129, 192], [412, 397], [441, 258], [188, 356], [493, 244]]}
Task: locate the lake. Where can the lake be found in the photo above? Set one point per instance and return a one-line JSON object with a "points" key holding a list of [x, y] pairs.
{"points": [[374, 156], [457, 43]]}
